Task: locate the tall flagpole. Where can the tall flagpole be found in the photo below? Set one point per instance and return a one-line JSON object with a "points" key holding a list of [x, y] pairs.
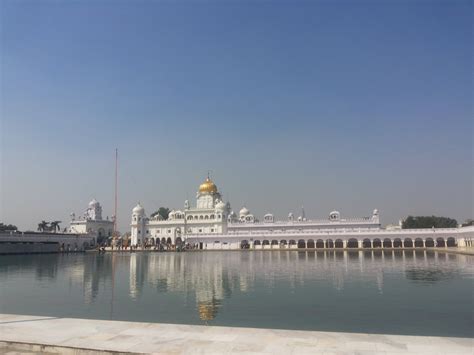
{"points": [[114, 238], [116, 193]]}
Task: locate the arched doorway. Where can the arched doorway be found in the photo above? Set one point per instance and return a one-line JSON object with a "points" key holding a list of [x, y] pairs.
{"points": [[320, 244], [408, 243], [429, 243], [310, 244], [257, 242], [244, 244], [451, 242], [292, 242], [266, 242], [397, 243], [283, 242], [418, 243], [330, 243], [301, 244], [352, 243], [440, 243], [366, 243], [387, 243], [275, 242], [377, 243], [339, 243]]}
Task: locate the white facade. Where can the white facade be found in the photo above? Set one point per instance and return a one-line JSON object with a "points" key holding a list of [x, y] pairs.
{"points": [[248, 223], [337, 238], [91, 222], [208, 217], [212, 216]]}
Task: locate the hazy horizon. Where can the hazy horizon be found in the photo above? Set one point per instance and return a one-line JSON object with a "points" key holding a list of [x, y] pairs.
{"points": [[328, 105]]}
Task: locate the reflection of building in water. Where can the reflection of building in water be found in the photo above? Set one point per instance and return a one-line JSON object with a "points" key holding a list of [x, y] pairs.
{"points": [[208, 309], [214, 278], [211, 279]]}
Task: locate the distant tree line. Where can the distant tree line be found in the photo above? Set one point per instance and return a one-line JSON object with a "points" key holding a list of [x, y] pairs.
{"points": [[415, 222], [7, 228]]}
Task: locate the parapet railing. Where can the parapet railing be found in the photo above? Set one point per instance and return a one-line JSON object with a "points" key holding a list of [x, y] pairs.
{"points": [[307, 222]]}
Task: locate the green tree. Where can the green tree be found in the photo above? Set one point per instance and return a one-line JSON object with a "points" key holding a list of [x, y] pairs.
{"points": [[7, 228], [417, 222], [163, 212]]}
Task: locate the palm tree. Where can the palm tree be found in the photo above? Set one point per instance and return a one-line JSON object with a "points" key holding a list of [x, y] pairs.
{"points": [[55, 226], [42, 226]]}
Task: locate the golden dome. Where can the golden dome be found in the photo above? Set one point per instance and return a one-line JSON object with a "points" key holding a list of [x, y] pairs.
{"points": [[208, 186]]}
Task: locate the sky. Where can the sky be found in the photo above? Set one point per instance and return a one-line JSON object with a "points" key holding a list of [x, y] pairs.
{"points": [[347, 105]]}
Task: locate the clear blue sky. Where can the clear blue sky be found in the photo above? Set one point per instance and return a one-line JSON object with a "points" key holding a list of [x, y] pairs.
{"points": [[349, 105]]}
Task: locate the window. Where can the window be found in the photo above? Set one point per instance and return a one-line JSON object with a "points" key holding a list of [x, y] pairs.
{"points": [[212, 230], [200, 231], [147, 231]]}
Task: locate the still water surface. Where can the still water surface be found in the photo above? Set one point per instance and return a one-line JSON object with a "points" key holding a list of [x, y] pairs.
{"points": [[425, 293]]}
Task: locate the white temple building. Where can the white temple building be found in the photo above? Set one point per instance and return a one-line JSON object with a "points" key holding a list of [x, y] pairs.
{"points": [[212, 225], [212, 216], [209, 216], [92, 223]]}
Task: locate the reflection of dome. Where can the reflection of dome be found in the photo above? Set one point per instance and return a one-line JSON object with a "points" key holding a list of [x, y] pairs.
{"points": [[220, 206], [244, 211], [208, 186], [208, 310], [138, 209]]}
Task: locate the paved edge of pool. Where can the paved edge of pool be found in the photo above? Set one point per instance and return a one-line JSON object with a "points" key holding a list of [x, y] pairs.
{"points": [[22, 333]]}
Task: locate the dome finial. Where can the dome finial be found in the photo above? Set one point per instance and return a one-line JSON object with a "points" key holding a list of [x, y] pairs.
{"points": [[208, 186]]}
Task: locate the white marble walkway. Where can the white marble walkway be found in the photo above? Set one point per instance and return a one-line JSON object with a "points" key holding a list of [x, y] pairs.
{"points": [[85, 336]]}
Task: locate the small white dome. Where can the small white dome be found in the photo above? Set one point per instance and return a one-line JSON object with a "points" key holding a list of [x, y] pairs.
{"points": [[220, 206], [376, 212], [334, 215], [244, 211], [93, 203], [138, 209]]}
